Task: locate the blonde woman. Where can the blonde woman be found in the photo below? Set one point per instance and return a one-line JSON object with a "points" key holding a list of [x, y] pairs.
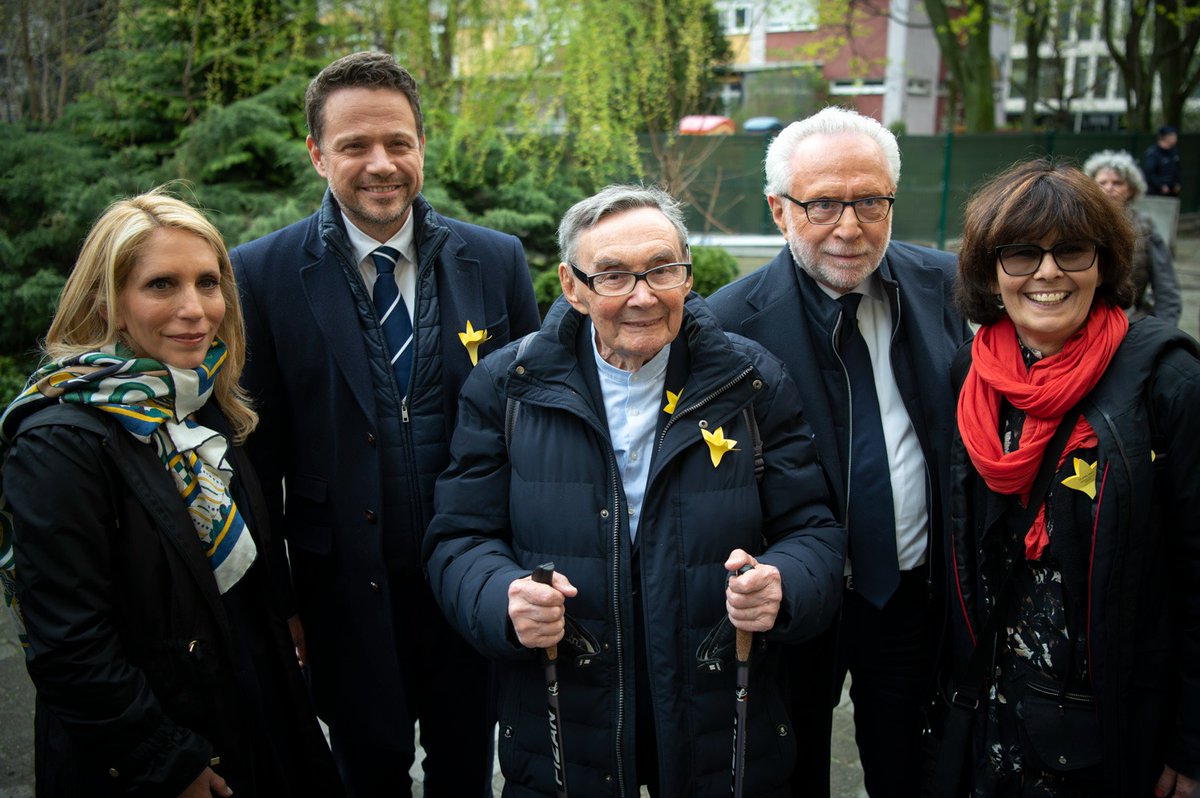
{"points": [[161, 663]]}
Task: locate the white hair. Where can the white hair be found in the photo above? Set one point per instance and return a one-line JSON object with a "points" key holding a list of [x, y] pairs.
{"points": [[1120, 162], [829, 121]]}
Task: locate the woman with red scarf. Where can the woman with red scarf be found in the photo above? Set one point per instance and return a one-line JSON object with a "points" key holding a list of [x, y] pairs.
{"points": [[1075, 548]]}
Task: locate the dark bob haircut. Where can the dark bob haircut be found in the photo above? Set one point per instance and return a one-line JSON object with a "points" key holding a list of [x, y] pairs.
{"points": [[361, 70], [1025, 204]]}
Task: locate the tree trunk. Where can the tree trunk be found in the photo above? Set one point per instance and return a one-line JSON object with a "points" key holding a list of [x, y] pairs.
{"points": [[1037, 22], [33, 94], [1176, 34], [1127, 55], [968, 58], [189, 113]]}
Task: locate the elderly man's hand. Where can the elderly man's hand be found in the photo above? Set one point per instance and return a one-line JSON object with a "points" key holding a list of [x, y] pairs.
{"points": [[537, 610], [1176, 785], [752, 599]]}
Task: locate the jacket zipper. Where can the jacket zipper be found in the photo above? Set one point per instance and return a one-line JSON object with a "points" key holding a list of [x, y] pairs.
{"points": [[615, 602], [705, 400], [837, 352], [616, 563], [1053, 692], [616, 610]]}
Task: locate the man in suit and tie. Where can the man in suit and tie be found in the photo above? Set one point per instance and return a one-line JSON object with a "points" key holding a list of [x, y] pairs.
{"points": [[866, 328], [363, 320]]}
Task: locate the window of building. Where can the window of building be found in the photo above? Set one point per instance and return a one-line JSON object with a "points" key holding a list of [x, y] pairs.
{"points": [[791, 15], [853, 87], [1079, 82], [919, 87], [1063, 21], [1016, 79], [1104, 70], [735, 17]]}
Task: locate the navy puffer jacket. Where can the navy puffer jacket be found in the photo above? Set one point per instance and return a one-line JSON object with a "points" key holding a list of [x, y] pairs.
{"points": [[552, 492]]}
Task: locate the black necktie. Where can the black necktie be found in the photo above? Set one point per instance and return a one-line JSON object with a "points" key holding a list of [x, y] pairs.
{"points": [[393, 315], [871, 518]]}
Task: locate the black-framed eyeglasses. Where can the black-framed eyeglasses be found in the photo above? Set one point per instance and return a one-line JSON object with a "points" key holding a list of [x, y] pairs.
{"points": [[1022, 260], [614, 283], [869, 210]]}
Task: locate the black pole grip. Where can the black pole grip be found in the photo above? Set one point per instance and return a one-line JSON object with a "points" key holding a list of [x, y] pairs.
{"points": [[544, 574]]}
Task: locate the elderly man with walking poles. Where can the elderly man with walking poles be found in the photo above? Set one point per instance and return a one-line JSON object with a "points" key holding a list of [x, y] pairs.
{"points": [[651, 457]]}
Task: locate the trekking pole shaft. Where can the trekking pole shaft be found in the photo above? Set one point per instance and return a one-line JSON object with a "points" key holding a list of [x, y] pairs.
{"points": [[743, 642], [544, 574]]}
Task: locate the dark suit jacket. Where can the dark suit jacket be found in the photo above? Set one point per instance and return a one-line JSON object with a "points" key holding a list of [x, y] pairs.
{"points": [[767, 307], [320, 447]]}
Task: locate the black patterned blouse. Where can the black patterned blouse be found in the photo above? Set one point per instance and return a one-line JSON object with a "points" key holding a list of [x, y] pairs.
{"points": [[1044, 631]]}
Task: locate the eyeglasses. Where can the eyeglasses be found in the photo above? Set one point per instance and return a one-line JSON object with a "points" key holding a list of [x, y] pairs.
{"points": [[1021, 260], [868, 210], [614, 283]]}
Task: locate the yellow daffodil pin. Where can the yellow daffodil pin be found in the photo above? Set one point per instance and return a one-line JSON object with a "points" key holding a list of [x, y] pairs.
{"points": [[672, 400], [718, 444], [471, 339], [1084, 478]]}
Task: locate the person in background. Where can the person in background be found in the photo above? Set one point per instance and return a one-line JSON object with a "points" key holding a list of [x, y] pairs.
{"points": [[363, 321], [161, 658], [1079, 591], [1120, 178], [650, 456], [866, 327], [1160, 164]]}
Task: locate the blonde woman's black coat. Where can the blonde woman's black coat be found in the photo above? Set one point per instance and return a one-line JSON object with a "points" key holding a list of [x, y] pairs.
{"points": [[130, 646]]}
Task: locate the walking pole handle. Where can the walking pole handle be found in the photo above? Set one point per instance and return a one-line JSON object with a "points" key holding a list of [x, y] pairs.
{"points": [[544, 574], [743, 639]]}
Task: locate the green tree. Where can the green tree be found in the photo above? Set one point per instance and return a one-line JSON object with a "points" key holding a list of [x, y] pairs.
{"points": [[532, 83], [1123, 23], [53, 186], [1176, 37], [164, 62], [46, 44], [963, 31], [1033, 20]]}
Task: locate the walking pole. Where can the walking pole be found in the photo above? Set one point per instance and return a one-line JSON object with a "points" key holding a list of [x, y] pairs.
{"points": [[742, 643], [544, 574]]}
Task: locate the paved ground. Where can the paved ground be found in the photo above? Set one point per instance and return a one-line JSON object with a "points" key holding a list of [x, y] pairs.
{"points": [[16, 717], [16, 693]]}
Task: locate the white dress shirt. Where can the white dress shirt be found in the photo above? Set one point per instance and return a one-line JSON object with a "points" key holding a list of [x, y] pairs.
{"points": [[406, 273], [905, 458]]}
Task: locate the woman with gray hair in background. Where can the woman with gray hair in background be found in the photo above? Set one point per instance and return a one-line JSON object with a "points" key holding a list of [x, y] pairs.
{"points": [[1121, 179]]}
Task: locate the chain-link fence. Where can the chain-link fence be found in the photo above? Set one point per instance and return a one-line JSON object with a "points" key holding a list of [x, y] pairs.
{"points": [[722, 178]]}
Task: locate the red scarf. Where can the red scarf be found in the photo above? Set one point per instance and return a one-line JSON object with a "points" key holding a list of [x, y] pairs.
{"points": [[1045, 392]]}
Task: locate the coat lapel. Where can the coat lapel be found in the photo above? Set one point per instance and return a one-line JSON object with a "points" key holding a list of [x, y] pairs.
{"points": [[155, 490], [921, 301], [332, 305], [460, 300], [776, 320]]}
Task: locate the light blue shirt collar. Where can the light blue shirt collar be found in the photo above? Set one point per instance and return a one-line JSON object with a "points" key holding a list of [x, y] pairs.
{"points": [[632, 402]]}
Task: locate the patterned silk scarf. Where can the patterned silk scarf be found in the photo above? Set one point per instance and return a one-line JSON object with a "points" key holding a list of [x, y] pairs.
{"points": [[154, 403]]}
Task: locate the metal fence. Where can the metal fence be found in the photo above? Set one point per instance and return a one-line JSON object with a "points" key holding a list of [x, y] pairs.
{"points": [[724, 177]]}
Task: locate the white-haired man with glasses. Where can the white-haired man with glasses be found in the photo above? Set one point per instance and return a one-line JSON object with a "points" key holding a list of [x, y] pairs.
{"points": [[650, 456], [866, 327]]}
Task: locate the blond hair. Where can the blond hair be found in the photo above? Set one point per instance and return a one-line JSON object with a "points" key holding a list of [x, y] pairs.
{"points": [[87, 307]]}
